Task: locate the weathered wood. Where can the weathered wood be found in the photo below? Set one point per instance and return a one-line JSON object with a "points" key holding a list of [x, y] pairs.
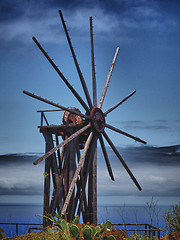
{"points": [[45, 119], [56, 105], [92, 185], [71, 193], [81, 194], [72, 168], [58, 153], [46, 209], [78, 182], [76, 63], [53, 161], [71, 189], [62, 76], [93, 65], [60, 185], [119, 103], [62, 156], [84, 177], [121, 160], [76, 134], [52, 110], [108, 79], [124, 133], [106, 157]]}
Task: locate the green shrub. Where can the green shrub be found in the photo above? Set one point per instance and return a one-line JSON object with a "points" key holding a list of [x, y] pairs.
{"points": [[172, 218]]}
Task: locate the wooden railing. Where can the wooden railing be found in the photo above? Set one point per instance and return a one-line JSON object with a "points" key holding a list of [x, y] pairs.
{"points": [[43, 117], [17, 225], [148, 229]]}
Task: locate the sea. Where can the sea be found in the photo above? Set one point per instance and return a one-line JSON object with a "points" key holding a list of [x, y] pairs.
{"points": [[116, 214]]}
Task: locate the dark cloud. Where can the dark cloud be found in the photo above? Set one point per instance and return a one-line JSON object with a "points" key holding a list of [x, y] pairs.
{"points": [[114, 19], [137, 124], [169, 155], [142, 160], [19, 159], [22, 190]]}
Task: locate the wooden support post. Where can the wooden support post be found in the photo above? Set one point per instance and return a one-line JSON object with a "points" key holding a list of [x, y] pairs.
{"points": [[46, 183], [92, 188], [72, 169], [58, 152]]}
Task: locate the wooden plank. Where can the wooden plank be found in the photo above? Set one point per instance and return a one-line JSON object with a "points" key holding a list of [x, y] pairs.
{"points": [[53, 164], [84, 177], [71, 189], [92, 186], [72, 169], [60, 186], [58, 152], [46, 209]]}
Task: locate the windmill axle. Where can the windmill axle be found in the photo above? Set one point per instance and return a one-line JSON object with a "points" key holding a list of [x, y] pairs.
{"points": [[97, 119]]}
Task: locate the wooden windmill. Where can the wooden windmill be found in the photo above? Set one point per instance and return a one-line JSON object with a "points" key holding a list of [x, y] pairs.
{"points": [[71, 148]]}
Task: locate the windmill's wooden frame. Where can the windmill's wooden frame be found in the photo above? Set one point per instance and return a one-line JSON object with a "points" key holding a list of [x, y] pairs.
{"points": [[73, 169]]}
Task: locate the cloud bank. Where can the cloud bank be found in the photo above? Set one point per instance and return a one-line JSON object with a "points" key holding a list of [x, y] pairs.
{"points": [[156, 169]]}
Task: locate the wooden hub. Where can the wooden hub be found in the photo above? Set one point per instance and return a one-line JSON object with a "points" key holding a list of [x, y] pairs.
{"points": [[98, 120]]}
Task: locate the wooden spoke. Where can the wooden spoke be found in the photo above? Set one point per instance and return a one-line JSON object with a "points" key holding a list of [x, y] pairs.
{"points": [[62, 76], [106, 157], [93, 65], [56, 105], [124, 133], [115, 106], [76, 62], [76, 134], [122, 161], [108, 79], [78, 169]]}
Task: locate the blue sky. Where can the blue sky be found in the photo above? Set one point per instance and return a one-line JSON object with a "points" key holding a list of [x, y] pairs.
{"points": [[148, 35]]}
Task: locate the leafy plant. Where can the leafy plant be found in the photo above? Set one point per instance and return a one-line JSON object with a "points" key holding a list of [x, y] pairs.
{"points": [[136, 236], [73, 230], [172, 218]]}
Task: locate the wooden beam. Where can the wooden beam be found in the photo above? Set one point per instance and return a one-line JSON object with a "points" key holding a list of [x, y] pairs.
{"points": [[71, 189], [76, 62], [57, 105], [121, 160], [93, 65], [62, 76], [124, 133], [76, 134], [108, 79], [92, 186], [106, 157], [119, 103]]}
